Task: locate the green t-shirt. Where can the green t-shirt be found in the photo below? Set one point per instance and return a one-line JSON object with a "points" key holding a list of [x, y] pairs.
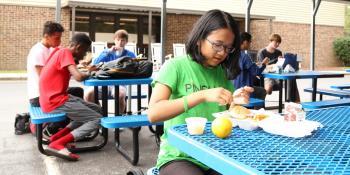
{"points": [[185, 76]]}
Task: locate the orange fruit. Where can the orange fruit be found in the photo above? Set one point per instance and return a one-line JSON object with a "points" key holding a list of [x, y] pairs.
{"points": [[221, 127]]}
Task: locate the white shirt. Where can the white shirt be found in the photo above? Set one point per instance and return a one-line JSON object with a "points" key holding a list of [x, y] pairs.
{"points": [[37, 56]]}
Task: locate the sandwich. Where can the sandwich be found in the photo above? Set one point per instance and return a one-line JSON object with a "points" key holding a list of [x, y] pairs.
{"points": [[239, 112]]}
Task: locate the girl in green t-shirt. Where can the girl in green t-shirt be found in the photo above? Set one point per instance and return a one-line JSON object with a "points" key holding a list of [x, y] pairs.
{"points": [[197, 84]]}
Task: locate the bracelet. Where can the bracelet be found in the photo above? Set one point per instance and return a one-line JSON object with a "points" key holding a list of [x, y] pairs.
{"points": [[185, 103]]}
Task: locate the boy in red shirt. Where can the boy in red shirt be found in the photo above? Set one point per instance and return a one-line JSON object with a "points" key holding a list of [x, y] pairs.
{"points": [[53, 85]]}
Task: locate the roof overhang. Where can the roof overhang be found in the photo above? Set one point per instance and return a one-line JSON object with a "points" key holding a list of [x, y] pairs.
{"points": [[339, 1], [110, 7]]}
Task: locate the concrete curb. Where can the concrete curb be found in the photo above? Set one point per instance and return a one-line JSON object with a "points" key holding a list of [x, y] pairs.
{"points": [[13, 76]]}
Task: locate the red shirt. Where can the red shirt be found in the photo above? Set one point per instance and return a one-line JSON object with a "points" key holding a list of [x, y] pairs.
{"points": [[54, 79]]}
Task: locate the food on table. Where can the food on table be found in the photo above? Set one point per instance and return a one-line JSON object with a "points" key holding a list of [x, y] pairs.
{"points": [[195, 125], [221, 127], [259, 117], [240, 112], [248, 124]]}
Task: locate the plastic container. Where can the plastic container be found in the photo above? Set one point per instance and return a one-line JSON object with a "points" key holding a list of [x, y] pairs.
{"points": [[248, 124], [195, 125]]}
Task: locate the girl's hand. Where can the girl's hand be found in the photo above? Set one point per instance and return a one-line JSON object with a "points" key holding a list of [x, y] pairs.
{"points": [[241, 95], [219, 95]]}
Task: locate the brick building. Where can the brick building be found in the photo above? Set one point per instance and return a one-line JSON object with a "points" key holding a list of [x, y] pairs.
{"points": [[21, 24]]}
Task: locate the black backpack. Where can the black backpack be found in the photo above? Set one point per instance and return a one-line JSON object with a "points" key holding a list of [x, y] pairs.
{"points": [[125, 67], [22, 123]]}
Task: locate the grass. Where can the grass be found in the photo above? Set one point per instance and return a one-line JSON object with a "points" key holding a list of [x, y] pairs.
{"points": [[12, 71]]}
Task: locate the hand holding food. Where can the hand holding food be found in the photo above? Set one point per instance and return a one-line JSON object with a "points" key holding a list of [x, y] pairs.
{"points": [[241, 95], [219, 95], [265, 61], [92, 68]]}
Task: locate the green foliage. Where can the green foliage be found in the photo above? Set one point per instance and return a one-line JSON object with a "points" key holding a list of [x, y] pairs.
{"points": [[341, 48]]}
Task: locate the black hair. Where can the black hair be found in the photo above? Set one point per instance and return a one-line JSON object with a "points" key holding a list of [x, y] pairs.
{"points": [[210, 21], [245, 36], [81, 38], [51, 27]]}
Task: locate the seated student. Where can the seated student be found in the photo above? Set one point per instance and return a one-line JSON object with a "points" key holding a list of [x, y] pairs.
{"points": [[197, 85], [249, 70], [53, 85], [38, 55], [115, 52], [36, 59], [271, 52]]}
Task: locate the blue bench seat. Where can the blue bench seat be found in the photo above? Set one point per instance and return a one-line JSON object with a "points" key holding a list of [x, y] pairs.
{"points": [[153, 171], [38, 117], [126, 121], [330, 92], [134, 122], [326, 103], [341, 87]]}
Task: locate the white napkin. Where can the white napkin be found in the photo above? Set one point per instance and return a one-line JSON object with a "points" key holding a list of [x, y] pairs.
{"points": [[288, 69], [277, 125], [280, 62]]}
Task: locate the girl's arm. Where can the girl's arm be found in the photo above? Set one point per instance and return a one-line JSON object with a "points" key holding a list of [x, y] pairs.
{"points": [[161, 108]]}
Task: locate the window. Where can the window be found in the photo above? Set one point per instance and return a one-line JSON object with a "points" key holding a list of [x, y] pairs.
{"points": [[130, 25], [104, 28], [82, 23]]}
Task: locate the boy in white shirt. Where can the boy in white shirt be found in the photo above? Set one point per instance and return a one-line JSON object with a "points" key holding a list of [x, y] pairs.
{"points": [[37, 57]]}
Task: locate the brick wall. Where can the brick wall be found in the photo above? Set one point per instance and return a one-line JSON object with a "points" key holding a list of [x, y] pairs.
{"points": [[21, 27], [178, 28], [296, 39]]}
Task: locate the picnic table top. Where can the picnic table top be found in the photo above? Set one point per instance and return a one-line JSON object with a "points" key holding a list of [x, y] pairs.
{"points": [[326, 151]]}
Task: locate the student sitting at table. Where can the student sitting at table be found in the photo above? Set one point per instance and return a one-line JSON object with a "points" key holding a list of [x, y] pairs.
{"points": [[249, 70], [115, 52], [36, 60], [271, 52], [197, 85], [53, 85]]}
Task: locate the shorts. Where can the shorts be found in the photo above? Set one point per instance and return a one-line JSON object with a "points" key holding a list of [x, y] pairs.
{"points": [[110, 94], [270, 82]]}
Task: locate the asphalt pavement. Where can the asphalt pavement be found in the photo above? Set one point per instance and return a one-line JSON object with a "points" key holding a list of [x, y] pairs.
{"points": [[19, 154]]}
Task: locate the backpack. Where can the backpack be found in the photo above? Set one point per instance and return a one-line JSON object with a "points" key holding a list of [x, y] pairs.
{"points": [[124, 67], [22, 123], [291, 59]]}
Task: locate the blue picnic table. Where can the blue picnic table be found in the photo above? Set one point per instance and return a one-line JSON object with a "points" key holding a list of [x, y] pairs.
{"points": [[118, 121], [326, 151], [341, 86], [314, 75]]}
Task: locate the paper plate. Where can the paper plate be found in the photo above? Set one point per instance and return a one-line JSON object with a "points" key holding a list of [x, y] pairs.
{"points": [[277, 125]]}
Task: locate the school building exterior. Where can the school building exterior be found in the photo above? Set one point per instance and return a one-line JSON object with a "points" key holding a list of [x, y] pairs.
{"points": [[21, 24]]}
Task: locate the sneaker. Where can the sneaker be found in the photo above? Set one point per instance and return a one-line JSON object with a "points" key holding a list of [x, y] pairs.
{"points": [[46, 136], [63, 153]]}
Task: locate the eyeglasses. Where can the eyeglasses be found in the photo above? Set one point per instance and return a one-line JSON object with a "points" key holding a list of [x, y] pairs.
{"points": [[220, 47]]}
